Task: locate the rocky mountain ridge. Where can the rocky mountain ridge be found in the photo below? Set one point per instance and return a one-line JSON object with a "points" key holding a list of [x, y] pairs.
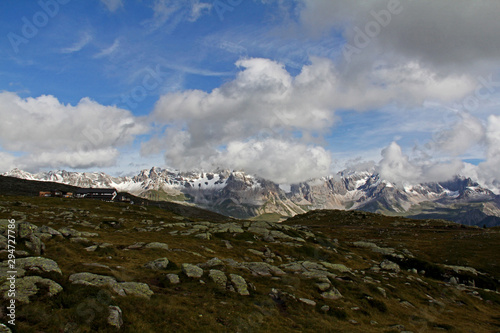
{"points": [[238, 194]]}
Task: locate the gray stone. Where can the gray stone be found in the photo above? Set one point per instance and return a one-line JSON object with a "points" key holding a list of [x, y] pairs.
{"points": [[158, 264], [37, 265], [173, 278], [332, 294], [4, 329], [95, 280], [25, 230], [27, 287], [192, 271], [239, 284], [69, 232], [382, 291], [323, 286], [307, 301], [325, 308], [263, 269], [453, 280], [156, 245], [136, 246], [79, 240], [218, 277], [136, 289], [48, 230], [336, 267], [35, 245], [115, 317], [214, 262], [390, 266], [205, 235]]}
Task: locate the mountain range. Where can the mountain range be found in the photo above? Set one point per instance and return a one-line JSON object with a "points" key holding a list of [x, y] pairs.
{"points": [[240, 195]]}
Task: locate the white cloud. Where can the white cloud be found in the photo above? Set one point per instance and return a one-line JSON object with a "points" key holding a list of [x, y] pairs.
{"points": [[112, 5], [488, 172], [108, 50], [265, 101], [397, 167], [79, 45], [50, 134], [466, 133], [173, 12]]}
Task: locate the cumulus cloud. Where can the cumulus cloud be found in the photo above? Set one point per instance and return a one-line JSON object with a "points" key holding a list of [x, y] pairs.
{"points": [[265, 101], [397, 167], [488, 172], [466, 133], [47, 133]]}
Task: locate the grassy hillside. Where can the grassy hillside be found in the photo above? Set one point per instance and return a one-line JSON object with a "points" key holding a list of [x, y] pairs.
{"points": [[324, 271]]}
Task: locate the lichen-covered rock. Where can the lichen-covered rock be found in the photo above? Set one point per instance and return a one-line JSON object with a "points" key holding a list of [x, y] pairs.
{"points": [[156, 245], [158, 264], [214, 262], [26, 287], [332, 294], [390, 266], [38, 265], [307, 301], [35, 245], [115, 317], [239, 284], [173, 278], [69, 232], [218, 277], [136, 289], [263, 269], [192, 271], [95, 280], [4, 329], [336, 267], [25, 230], [48, 230]]}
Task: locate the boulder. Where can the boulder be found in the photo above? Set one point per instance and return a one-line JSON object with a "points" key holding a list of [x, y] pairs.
{"points": [[158, 264], [69, 232], [35, 245], [218, 277], [239, 284], [156, 245], [38, 265], [192, 271], [390, 266], [214, 262], [25, 230], [115, 317], [95, 280], [29, 286], [332, 294], [173, 278], [263, 269], [336, 267], [48, 230], [136, 289]]}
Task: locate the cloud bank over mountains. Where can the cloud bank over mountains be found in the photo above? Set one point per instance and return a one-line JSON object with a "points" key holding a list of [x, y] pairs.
{"points": [[277, 121]]}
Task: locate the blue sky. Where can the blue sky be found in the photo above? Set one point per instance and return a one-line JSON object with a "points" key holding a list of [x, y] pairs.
{"points": [[287, 90]]}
